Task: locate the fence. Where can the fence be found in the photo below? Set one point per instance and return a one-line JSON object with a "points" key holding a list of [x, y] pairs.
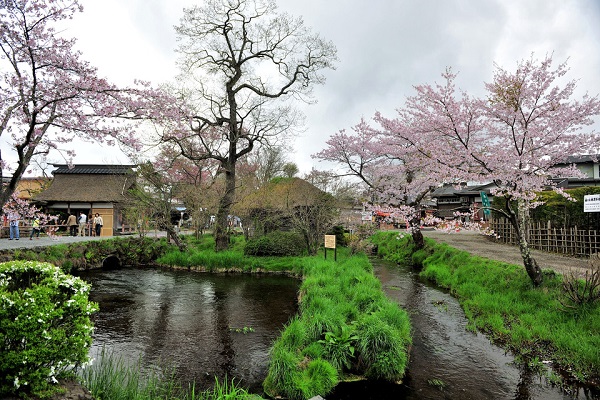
{"points": [[569, 241]]}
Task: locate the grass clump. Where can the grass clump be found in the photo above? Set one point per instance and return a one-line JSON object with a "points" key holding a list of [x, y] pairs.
{"points": [[113, 378], [341, 307], [499, 300]]}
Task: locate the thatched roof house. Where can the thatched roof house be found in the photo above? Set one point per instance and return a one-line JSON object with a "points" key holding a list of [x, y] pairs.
{"points": [[284, 202], [90, 189]]}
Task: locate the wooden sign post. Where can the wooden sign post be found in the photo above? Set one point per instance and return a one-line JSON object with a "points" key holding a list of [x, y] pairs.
{"points": [[330, 244]]}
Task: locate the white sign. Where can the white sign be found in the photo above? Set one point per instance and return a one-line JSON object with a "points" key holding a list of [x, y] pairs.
{"points": [[367, 216], [591, 203]]}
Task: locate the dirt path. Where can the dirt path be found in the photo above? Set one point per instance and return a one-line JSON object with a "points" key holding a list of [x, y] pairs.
{"points": [[481, 246]]}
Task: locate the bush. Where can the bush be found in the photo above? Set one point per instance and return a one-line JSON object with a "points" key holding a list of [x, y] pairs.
{"points": [[45, 327], [276, 243], [340, 237], [579, 291]]}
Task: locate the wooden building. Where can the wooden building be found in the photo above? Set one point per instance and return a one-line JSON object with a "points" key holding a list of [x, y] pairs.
{"points": [[91, 189]]}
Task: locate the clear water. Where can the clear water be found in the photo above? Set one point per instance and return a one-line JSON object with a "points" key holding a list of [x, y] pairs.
{"points": [[192, 322]]}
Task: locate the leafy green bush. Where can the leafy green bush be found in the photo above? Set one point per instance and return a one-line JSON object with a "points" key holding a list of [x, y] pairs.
{"points": [[45, 327], [339, 346], [276, 243]]}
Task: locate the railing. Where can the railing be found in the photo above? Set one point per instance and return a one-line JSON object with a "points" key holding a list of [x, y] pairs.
{"points": [[25, 231], [569, 241]]}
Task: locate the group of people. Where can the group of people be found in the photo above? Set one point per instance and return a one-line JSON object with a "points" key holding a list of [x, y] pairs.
{"points": [[13, 227], [77, 226]]}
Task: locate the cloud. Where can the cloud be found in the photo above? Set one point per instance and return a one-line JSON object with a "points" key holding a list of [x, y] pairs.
{"points": [[385, 48]]}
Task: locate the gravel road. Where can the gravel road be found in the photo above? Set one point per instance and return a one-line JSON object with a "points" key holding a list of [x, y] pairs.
{"points": [[481, 246]]}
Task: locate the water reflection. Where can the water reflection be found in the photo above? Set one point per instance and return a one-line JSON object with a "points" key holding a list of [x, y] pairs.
{"points": [[189, 320]]}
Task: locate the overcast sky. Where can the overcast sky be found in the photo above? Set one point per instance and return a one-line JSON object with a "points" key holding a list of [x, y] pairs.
{"points": [[384, 47]]}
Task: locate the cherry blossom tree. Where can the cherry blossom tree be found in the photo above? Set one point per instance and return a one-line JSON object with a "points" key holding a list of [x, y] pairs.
{"points": [[528, 123], [393, 169], [49, 95], [25, 210], [243, 64]]}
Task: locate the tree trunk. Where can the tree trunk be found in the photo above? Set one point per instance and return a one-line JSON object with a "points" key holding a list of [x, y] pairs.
{"points": [[418, 239], [221, 230], [521, 224], [417, 234], [174, 236]]}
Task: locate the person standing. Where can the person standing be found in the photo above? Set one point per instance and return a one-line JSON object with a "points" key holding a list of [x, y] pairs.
{"points": [[72, 224], [82, 223], [98, 222], [13, 225], [35, 229]]}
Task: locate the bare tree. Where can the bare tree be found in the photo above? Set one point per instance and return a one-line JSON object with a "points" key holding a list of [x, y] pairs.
{"points": [[290, 170], [243, 65], [154, 197], [270, 162]]}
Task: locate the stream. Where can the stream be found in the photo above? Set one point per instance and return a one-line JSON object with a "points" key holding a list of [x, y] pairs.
{"points": [[216, 325], [446, 360]]}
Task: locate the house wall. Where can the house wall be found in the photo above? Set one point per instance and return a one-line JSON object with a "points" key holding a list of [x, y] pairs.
{"points": [[27, 187], [107, 214], [106, 210]]}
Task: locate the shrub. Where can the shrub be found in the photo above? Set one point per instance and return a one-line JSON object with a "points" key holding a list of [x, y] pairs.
{"points": [[339, 346], [45, 327], [276, 243], [582, 290], [340, 237], [358, 242]]}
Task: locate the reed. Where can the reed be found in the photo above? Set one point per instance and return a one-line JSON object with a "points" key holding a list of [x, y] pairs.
{"points": [[115, 379]]}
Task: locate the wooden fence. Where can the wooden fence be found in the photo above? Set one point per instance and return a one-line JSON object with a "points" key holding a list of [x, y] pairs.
{"points": [[569, 241]]}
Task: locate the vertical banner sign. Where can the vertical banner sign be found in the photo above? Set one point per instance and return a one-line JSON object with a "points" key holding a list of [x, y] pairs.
{"points": [[591, 203], [485, 201], [330, 244]]}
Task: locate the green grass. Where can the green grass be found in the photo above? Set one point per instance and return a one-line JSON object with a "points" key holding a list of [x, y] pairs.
{"points": [[200, 255], [114, 379], [345, 325], [499, 300]]}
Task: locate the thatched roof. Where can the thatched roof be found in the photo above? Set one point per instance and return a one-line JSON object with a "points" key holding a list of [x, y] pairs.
{"points": [[281, 194], [89, 184]]}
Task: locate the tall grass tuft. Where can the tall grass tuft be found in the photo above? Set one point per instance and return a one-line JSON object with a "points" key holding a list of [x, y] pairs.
{"points": [[113, 378]]}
